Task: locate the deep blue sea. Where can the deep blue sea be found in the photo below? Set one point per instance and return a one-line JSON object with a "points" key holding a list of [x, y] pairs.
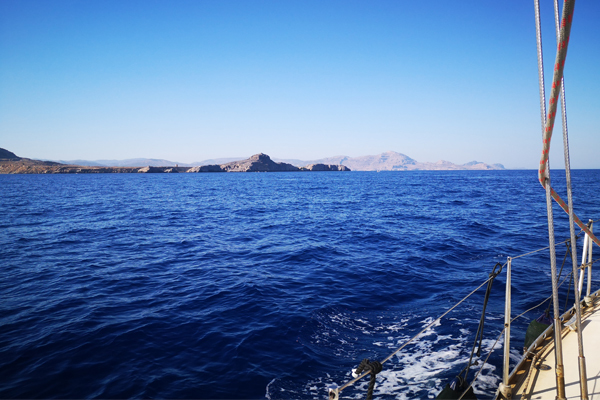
{"points": [[246, 286]]}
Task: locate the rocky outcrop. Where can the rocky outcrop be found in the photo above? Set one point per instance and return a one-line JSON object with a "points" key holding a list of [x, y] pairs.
{"points": [[206, 168], [27, 166], [156, 170], [150, 170], [263, 163], [324, 167], [258, 163], [10, 163]]}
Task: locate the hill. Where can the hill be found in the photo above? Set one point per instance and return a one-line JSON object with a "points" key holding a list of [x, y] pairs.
{"points": [[7, 155], [388, 161]]}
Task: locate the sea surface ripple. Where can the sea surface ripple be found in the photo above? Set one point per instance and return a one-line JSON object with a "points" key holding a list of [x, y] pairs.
{"points": [[252, 285]]}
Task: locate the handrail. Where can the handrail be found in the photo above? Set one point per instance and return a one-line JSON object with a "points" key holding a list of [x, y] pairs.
{"points": [[334, 391], [536, 343]]}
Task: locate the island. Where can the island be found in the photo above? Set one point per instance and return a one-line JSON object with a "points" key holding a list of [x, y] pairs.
{"points": [[10, 163]]}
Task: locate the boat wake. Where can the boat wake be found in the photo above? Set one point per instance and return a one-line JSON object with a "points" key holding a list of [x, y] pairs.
{"points": [[420, 370]]}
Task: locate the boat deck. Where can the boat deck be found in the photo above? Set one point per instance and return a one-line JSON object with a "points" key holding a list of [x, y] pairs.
{"points": [[540, 382]]}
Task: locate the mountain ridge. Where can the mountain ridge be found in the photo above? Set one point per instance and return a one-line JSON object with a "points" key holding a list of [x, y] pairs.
{"points": [[12, 164], [387, 161]]}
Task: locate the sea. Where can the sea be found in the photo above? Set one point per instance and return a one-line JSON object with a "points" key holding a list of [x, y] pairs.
{"points": [[269, 285]]}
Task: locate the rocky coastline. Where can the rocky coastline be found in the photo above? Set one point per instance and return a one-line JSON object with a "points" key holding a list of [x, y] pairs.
{"points": [[12, 164]]}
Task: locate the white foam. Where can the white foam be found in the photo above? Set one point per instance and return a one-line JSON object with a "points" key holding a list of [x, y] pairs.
{"points": [[420, 370]]}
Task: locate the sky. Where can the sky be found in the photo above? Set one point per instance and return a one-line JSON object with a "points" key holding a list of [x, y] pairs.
{"points": [[193, 80]]}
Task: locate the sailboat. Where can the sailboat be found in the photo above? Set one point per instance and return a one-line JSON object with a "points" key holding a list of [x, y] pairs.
{"points": [[554, 363]]}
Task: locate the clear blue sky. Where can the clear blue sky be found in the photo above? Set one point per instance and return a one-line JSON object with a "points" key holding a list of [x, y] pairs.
{"points": [[191, 80]]}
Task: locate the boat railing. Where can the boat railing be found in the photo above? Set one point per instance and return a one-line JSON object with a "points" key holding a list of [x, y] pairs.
{"points": [[570, 315], [370, 368]]}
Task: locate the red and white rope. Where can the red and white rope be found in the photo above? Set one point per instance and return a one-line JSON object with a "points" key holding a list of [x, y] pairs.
{"points": [[559, 65]]}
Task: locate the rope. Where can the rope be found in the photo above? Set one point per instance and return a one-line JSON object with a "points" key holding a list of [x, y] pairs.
{"points": [[438, 318], [500, 335], [365, 373], [544, 168], [559, 65], [479, 334], [526, 384], [373, 368], [482, 365], [562, 37]]}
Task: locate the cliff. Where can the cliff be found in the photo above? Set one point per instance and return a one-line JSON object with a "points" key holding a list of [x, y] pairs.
{"points": [[324, 167], [11, 164], [258, 163], [388, 161]]}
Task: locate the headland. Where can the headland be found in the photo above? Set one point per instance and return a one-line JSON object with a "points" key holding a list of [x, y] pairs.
{"points": [[10, 163]]}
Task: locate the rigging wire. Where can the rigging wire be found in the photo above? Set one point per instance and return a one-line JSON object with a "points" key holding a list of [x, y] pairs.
{"points": [[483, 364], [362, 375], [538, 250], [415, 336]]}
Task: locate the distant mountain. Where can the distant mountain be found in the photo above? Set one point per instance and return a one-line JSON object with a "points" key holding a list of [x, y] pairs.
{"points": [[130, 162], [481, 165], [335, 160], [257, 163], [10, 163], [84, 163], [146, 162], [294, 161], [393, 161], [388, 161], [218, 161]]}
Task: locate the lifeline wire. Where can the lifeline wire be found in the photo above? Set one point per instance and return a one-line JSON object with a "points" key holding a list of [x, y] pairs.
{"points": [[499, 336], [353, 381], [548, 298], [538, 250], [414, 337], [482, 365]]}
